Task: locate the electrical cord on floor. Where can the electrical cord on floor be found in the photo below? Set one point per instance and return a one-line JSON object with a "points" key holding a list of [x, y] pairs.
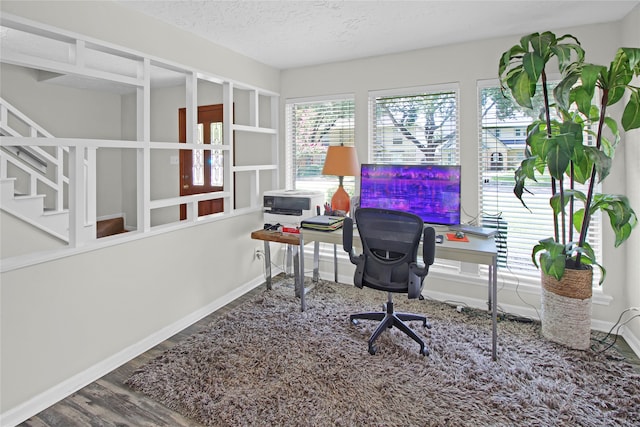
{"points": [[617, 327], [282, 267], [517, 290], [461, 307], [497, 218]]}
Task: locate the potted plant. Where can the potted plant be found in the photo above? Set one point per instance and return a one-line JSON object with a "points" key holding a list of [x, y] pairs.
{"points": [[575, 112]]}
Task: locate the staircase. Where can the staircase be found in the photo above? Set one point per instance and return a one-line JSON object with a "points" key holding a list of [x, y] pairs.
{"points": [[24, 170], [33, 184], [30, 208]]}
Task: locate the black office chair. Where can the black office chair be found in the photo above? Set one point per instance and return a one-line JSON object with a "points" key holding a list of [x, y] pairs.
{"points": [[390, 241]]}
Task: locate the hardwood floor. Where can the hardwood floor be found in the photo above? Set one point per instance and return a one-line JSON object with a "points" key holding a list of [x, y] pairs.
{"points": [[108, 402]]}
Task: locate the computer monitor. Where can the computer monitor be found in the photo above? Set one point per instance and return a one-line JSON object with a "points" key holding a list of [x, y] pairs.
{"points": [[430, 191]]}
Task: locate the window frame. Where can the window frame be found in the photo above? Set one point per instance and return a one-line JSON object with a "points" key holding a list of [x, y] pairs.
{"points": [[453, 87], [329, 184]]}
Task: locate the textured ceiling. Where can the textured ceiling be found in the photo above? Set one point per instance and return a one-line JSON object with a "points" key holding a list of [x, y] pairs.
{"points": [[288, 34]]}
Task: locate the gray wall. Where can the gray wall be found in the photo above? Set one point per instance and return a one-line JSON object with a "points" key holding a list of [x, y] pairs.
{"points": [[65, 320]]}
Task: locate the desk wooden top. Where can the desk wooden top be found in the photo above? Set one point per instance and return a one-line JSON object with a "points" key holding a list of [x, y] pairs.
{"points": [[276, 236]]}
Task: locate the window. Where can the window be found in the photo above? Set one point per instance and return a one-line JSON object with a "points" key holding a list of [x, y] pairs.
{"points": [[311, 126], [415, 126], [500, 154]]}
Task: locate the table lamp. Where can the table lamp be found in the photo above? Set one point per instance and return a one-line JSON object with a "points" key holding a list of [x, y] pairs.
{"points": [[341, 161]]}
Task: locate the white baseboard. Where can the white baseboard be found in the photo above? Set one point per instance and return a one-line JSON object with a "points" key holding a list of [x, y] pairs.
{"points": [[58, 392]]}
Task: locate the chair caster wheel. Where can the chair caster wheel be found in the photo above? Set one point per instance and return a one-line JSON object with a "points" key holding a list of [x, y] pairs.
{"points": [[424, 351], [372, 349], [354, 321], [427, 325]]}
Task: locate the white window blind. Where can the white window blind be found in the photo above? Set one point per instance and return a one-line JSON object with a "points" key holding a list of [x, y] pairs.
{"points": [[418, 125], [311, 126], [503, 128]]}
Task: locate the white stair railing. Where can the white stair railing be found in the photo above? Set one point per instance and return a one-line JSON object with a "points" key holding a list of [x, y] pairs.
{"points": [[27, 156], [46, 170]]}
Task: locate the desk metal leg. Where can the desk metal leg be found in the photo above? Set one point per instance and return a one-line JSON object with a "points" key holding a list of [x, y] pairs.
{"points": [[493, 285], [298, 285], [300, 274], [287, 262], [267, 264], [490, 293], [335, 263], [316, 261]]}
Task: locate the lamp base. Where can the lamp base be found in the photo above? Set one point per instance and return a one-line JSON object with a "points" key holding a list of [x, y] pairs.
{"points": [[340, 201]]}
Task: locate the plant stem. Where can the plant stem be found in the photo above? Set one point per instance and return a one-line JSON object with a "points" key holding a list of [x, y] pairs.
{"points": [[572, 183], [587, 205], [545, 95]]}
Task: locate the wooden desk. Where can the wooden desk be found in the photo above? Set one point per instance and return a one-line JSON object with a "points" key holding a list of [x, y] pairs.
{"points": [[477, 250], [292, 241]]}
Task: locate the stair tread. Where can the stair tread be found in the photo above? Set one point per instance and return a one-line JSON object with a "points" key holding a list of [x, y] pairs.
{"points": [[28, 196]]}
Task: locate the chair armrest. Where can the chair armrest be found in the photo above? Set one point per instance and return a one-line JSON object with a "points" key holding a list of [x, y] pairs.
{"points": [[347, 242], [347, 245], [347, 235], [417, 273], [428, 246]]}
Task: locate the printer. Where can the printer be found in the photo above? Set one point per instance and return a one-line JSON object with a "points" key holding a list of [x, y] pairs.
{"points": [[289, 207]]}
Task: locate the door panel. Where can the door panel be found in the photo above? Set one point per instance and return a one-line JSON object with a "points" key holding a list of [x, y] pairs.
{"points": [[201, 171]]}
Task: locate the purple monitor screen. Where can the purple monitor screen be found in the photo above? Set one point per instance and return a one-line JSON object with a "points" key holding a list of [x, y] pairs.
{"points": [[430, 191]]}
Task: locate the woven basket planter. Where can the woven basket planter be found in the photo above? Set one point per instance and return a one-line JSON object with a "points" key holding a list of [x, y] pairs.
{"points": [[566, 308]]}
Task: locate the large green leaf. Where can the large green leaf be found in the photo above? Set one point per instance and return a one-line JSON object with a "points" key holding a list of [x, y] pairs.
{"points": [[589, 77], [508, 57], [587, 257], [573, 129], [631, 114], [622, 233], [541, 44], [633, 58], [552, 257], [582, 98], [559, 155], [564, 53], [600, 160], [559, 201], [562, 90], [522, 89], [621, 216], [524, 172], [578, 217], [533, 65], [538, 142], [525, 40], [613, 128]]}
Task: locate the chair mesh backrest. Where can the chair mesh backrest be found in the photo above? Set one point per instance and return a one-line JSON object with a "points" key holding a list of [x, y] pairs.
{"points": [[390, 241]]}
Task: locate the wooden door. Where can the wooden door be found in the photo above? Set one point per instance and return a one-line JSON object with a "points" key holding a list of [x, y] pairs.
{"points": [[201, 171]]}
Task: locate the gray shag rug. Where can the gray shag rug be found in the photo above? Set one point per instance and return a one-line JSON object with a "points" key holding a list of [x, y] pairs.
{"points": [[268, 364]]}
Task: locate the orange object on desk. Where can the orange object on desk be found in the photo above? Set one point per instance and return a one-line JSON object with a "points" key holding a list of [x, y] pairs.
{"points": [[453, 238]]}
